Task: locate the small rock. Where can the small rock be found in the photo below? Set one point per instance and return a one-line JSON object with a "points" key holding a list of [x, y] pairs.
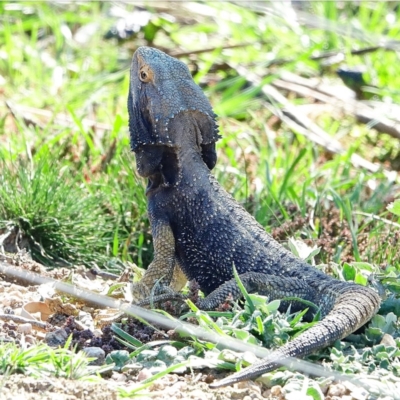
{"points": [[116, 376], [337, 390], [242, 385], [249, 385], [30, 339], [276, 391], [56, 338], [6, 302], [237, 393], [86, 320], [157, 386], [25, 328], [97, 333], [388, 340], [267, 394], [209, 379], [95, 352], [144, 374]]}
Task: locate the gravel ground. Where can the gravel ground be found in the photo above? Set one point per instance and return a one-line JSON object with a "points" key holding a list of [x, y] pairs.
{"points": [[15, 295]]}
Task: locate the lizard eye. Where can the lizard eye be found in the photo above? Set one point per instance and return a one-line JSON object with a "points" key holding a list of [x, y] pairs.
{"points": [[145, 75]]}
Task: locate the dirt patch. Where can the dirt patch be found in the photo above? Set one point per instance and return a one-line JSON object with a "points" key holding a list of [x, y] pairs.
{"points": [[14, 294], [194, 385], [24, 387]]}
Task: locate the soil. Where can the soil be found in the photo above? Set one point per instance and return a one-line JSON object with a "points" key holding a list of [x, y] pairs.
{"points": [[15, 294]]}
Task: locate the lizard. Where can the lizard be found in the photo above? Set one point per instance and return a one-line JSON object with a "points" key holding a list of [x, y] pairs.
{"points": [[199, 230]]}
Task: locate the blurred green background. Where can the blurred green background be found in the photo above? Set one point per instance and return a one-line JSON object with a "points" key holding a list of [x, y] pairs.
{"points": [[307, 95]]}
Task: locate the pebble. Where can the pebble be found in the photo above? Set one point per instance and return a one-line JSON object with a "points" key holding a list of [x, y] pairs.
{"points": [[86, 320], [276, 391], [144, 374], [30, 339], [337, 390], [56, 338], [25, 328], [267, 393], [388, 340], [250, 385], [237, 394], [116, 376], [97, 333], [97, 353], [157, 387]]}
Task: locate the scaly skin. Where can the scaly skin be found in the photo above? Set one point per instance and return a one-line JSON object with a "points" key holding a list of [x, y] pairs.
{"points": [[200, 231]]}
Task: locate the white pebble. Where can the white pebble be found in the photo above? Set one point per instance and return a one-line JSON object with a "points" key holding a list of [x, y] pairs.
{"points": [[144, 374], [25, 328]]}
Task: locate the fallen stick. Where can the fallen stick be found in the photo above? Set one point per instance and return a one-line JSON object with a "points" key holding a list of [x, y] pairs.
{"points": [[21, 320]]}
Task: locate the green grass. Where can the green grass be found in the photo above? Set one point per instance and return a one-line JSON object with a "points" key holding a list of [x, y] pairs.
{"points": [[42, 360], [70, 189]]}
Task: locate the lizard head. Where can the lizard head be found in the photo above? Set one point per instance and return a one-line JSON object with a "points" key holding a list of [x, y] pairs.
{"points": [[161, 88]]}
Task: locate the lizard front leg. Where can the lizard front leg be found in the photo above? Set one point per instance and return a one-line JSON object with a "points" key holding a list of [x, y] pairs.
{"points": [[164, 269]]}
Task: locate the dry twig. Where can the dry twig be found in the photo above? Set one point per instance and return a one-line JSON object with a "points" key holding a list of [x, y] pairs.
{"points": [[21, 320]]}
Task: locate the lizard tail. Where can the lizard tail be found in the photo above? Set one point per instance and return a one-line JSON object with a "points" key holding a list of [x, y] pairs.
{"points": [[353, 307]]}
